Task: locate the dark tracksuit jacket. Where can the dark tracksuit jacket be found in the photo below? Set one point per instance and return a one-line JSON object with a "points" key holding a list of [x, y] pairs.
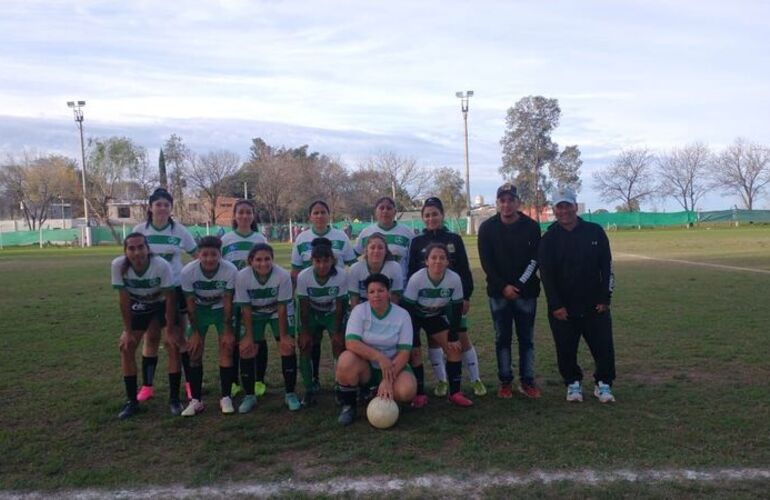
{"points": [[458, 257]]}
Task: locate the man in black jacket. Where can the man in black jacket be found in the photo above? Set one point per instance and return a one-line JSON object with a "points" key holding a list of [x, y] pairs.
{"points": [[576, 269], [508, 244]]}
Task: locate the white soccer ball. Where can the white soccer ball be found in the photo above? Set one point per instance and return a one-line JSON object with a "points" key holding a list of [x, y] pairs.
{"points": [[382, 413]]}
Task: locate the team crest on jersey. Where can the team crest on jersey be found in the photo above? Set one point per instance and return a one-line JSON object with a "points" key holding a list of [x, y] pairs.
{"points": [[451, 248], [171, 240], [273, 292], [445, 292], [333, 290]]}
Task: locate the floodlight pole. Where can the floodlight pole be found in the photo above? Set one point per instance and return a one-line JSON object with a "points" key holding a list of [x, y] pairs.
{"points": [[464, 97], [78, 114]]}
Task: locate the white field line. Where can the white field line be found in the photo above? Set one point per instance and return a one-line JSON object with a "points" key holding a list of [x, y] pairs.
{"points": [[693, 263], [434, 484]]}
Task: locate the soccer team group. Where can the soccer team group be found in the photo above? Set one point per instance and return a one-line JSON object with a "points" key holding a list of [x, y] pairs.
{"points": [[373, 299]]}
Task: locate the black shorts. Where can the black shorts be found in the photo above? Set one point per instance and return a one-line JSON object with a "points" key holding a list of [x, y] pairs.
{"points": [[143, 314], [432, 326]]}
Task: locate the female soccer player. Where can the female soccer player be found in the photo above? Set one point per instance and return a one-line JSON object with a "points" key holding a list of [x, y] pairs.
{"points": [[322, 292], [235, 247], [378, 340], [434, 298], [264, 293], [436, 232], [208, 284], [397, 235], [168, 239], [147, 304], [377, 259]]}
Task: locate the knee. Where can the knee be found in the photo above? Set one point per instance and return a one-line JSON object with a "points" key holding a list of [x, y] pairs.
{"points": [[227, 345], [170, 346], [338, 344], [405, 388], [305, 343], [347, 368], [128, 346], [285, 350]]}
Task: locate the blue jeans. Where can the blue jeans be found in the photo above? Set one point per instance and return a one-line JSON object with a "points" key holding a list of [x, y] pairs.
{"points": [[506, 313]]}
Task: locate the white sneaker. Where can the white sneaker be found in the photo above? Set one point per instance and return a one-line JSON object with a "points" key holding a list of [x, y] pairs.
{"points": [[193, 408], [604, 393], [226, 405], [575, 392]]}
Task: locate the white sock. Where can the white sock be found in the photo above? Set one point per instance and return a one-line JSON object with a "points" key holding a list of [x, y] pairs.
{"points": [[436, 357], [471, 362]]}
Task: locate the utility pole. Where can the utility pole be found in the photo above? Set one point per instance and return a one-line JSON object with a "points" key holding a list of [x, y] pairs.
{"points": [[78, 113], [464, 97]]}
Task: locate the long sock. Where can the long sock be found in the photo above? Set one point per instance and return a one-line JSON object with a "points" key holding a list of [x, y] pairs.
{"points": [[226, 380], [316, 358], [289, 369], [471, 363], [419, 374], [196, 381], [174, 381], [247, 375], [261, 360], [347, 394], [455, 371], [436, 357], [149, 363], [185, 365], [236, 369], [130, 382]]}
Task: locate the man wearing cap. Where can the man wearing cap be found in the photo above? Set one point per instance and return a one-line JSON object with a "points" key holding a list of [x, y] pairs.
{"points": [[508, 246], [576, 269]]}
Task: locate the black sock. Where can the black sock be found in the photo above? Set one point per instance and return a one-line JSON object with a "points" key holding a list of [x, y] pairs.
{"points": [[196, 381], [148, 369], [289, 368], [347, 394], [236, 369], [316, 358], [174, 381], [185, 365], [454, 372], [261, 360], [130, 382], [419, 374], [247, 375], [226, 380]]}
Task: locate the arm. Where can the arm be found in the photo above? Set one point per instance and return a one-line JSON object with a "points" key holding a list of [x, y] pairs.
{"points": [[246, 345], [529, 272], [487, 257], [339, 313], [463, 268], [605, 268], [195, 341], [283, 327], [124, 301], [548, 265], [170, 298], [414, 258], [227, 311]]}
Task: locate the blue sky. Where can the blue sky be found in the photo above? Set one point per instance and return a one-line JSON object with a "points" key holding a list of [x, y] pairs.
{"points": [[353, 78]]}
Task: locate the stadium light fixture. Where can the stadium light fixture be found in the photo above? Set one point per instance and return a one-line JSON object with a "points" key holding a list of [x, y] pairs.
{"points": [[77, 112], [464, 97]]}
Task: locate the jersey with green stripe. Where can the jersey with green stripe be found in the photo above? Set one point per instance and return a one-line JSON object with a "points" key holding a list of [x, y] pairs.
{"points": [[343, 250], [236, 247], [322, 294], [431, 299], [169, 242], [399, 237], [146, 287], [359, 271], [388, 334], [209, 291], [264, 295]]}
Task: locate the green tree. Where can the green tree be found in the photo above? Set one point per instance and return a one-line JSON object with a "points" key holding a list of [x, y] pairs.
{"points": [[178, 155], [162, 175], [449, 187]]}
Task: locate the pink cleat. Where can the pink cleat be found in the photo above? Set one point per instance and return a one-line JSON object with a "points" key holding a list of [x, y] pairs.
{"points": [[145, 392], [459, 399], [420, 401]]}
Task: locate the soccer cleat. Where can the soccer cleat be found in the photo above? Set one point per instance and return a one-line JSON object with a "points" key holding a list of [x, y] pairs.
{"points": [[175, 407], [292, 401], [529, 390], [188, 391], [441, 389], [420, 401], [195, 407], [259, 388], [575, 392], [479, 389], [248, 404], [505, 392], [459, 399], [129, 410], [604, 392], [145, 392], [347, 415], [235, 389], [226, 405], [309, 399]]}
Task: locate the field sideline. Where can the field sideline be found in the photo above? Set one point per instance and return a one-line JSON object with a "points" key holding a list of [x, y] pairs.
{"points": [[692, 389]]}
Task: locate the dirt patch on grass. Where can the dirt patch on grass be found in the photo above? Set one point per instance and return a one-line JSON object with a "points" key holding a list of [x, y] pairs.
{"points": [[305, 465], [732, 374]]}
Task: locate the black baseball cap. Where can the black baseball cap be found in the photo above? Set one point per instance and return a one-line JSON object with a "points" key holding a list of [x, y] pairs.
{"points": [[507, 188]]}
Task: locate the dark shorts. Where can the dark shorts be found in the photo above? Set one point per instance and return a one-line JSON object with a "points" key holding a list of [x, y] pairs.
{"points": [[432, 326], [143, 314], [181, 301]]}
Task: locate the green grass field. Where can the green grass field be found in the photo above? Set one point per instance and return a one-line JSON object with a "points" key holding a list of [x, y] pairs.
{"points": [[692, 348]]}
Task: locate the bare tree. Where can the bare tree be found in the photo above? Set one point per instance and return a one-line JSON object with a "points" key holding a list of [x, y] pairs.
{"points": [[407, 180], [177, 155], [743, 169], [210, 172], [365, 186], [684, 174], [270, 170], [628, 179]]}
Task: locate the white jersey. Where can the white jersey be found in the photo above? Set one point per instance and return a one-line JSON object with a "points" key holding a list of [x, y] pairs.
{"points": [[341, 247], [236, 246], [322, 296], [208, 291], [169, 242], [264, 297], [146, 287], [359, 271], [398, 238], [431, 299], [388, 334]]}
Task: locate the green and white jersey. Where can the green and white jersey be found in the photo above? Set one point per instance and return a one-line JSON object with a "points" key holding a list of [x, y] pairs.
{"points": [[236, 246], [169, 242], [322, 295], [359, 271], [431, 299], [209, 291], [398, 237], [389, 333], [147, 286], [343, 250], [264, 296]]}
